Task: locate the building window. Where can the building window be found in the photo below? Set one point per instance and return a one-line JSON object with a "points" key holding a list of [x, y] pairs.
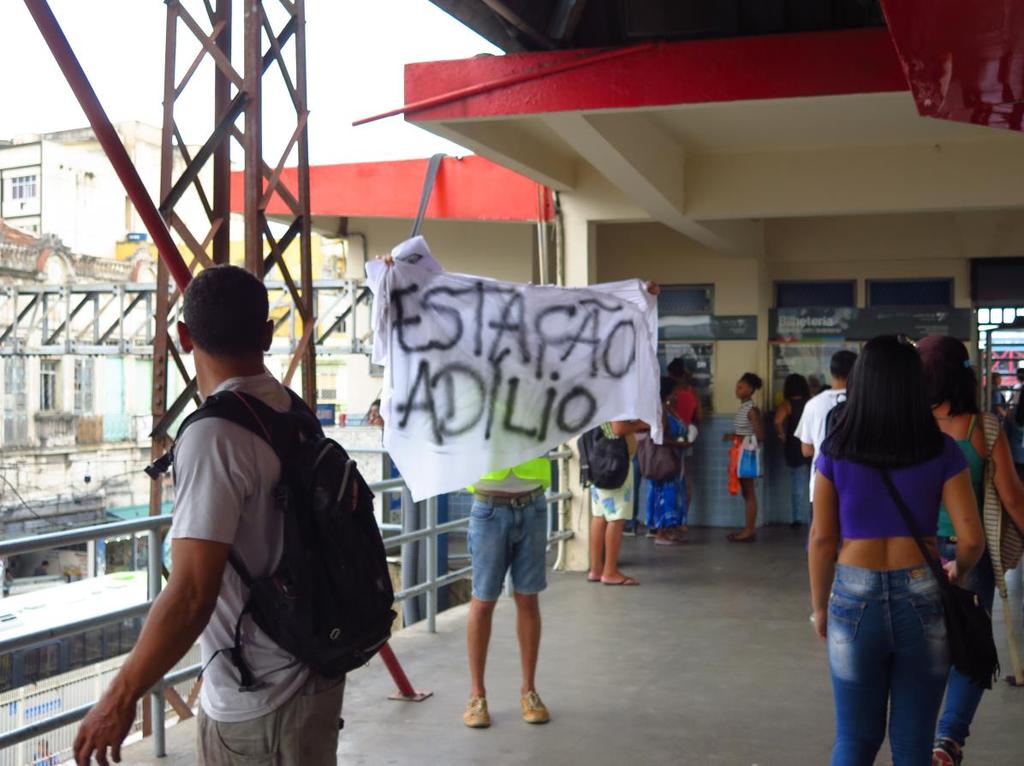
{"points": [[49, 374], [910, 292], [24, 188], [15, 401], [798, 295], [84, 386], [327, 383]]}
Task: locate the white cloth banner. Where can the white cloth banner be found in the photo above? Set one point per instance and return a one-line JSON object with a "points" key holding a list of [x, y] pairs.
{"points": [[481, 375]]}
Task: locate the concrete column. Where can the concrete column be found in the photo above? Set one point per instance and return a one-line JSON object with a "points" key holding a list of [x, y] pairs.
{"points": [[580, 270]]}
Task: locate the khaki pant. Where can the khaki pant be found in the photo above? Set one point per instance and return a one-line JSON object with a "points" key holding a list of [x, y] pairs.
{"points": [[302, 732]]}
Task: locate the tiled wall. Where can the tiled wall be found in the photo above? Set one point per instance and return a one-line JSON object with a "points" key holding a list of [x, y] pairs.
{"points": [[713, 506]]}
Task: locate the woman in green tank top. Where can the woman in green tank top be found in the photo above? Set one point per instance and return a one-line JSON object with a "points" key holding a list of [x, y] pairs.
{"points": [[975, 460], [952, 391]]}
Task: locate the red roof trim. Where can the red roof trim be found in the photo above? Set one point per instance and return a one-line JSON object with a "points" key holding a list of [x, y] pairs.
{"points": [[703, 71], [471, 188]]}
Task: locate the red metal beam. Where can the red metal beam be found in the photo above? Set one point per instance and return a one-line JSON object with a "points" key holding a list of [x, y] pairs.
{"points": [[695, 72], [503, 82], [108, 139], [468, 189], [964, 60]]}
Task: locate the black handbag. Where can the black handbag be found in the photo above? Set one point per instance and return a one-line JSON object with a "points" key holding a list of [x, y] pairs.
{"points": [[972, 648]]}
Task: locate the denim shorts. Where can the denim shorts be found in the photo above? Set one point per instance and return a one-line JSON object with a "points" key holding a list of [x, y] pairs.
{"points": [[502, 538]]}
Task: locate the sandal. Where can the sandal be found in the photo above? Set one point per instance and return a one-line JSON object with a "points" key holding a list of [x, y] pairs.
{"points": [[735, 537], [672, 541], [624, 582], [946, 752]]}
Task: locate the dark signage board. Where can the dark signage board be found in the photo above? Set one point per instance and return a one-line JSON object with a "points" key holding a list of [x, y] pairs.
{"points": [[816, 324], [708, 327]]}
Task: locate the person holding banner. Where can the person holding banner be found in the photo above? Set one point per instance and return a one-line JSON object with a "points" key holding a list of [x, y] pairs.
{"points": [[744, 456], [483, 374], [508, 534]]}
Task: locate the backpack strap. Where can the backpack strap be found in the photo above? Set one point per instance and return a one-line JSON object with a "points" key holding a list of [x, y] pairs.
{"points": [[278, 430]]}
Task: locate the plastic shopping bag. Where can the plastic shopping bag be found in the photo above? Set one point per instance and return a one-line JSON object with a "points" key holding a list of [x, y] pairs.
{"points": [[750, 459], [734, 465]]}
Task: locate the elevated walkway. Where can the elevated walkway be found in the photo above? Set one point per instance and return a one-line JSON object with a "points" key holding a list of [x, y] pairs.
{"points": [[710, 662]]}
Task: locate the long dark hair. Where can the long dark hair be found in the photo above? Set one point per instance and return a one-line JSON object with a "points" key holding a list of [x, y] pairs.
{"points": [[796, 386], [948, 374], [887, 421]]}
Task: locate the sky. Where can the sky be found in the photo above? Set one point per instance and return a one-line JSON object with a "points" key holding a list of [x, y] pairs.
{"points": [[356, 50]]}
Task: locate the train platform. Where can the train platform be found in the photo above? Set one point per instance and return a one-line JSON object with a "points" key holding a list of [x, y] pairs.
{"points": [[711, 662]]}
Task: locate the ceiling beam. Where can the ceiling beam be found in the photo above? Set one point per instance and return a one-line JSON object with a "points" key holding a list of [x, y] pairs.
{"points": [[917, 178], [566, 18], [517, 21], [508, 146], [648, 166]]}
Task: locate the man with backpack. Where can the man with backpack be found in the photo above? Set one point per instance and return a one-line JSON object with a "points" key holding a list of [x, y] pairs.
{"points": [[821, 411], [226, 479]]}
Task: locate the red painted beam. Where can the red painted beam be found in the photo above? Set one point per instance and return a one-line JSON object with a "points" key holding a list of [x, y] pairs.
{"points": [[964, 60], [471, 188], [696, 72], [109, 139]]}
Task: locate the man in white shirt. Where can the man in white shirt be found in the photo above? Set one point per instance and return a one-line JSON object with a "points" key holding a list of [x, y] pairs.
{"points": [[812, 428], [225, 477]]}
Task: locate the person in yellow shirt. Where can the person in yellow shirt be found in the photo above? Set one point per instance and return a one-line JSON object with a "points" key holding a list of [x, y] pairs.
{"points": [[508, 533]]}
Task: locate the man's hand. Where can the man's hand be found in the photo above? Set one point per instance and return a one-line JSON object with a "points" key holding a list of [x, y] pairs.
{"points": [[175, 621], [653, 288], [388, 260], [106, 726]]}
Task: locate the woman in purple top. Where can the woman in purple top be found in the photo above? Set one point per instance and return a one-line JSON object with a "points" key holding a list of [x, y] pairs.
{"points": [[879, 606]]}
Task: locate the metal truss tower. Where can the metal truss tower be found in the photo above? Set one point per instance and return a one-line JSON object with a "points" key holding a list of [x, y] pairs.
{"points": [[273, 46]]}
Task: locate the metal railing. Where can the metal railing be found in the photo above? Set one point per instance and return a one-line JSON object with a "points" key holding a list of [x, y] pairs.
{"points": [[154, 525]]}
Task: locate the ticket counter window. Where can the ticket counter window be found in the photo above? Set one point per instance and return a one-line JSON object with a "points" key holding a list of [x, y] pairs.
{"points": [[810, 359], [699, 361]]}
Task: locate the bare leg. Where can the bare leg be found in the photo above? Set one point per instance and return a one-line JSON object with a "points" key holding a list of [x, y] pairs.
{"points": [[750, 496], [597, 536], [613, 543], [528, 630], [478, 636]]}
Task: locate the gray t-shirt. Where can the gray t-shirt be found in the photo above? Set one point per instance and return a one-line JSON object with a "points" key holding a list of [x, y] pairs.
{"points": [[224, 482]]}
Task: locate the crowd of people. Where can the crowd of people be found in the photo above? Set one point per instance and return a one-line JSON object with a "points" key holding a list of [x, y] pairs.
{"points": [[897, 441]]}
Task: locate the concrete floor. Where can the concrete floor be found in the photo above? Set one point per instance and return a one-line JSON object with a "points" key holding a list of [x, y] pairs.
{"points": [[710, 661]]}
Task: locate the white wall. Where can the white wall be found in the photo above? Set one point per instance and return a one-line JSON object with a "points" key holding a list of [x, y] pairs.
{"points": [[490, 249]]}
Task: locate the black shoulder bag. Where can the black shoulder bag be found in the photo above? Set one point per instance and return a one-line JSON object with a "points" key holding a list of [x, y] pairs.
{"points": [[968, 624]]}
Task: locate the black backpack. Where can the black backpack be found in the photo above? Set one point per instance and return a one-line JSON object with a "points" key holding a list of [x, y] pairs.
{"points": [[834, 416], [329, 600], [604, 462]]}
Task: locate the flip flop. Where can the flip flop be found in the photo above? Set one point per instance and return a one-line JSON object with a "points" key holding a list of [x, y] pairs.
{"points": [[735, 538], [624, 582]]}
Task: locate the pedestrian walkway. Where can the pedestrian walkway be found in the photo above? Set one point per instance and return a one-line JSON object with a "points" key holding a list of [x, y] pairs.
{"points": [[711, 661]]}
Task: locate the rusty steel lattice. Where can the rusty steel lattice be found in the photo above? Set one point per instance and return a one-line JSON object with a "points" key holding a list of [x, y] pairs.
{"points": [[274, 37], [272, 45]]}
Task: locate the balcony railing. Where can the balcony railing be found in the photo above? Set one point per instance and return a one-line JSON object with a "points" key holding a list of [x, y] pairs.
{"points": [[56, 429], [154, 525]]}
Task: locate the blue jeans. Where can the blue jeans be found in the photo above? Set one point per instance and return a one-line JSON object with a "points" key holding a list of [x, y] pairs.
{"points": [[887, 651], [963, 696], [799, 492], [503, 536]]}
